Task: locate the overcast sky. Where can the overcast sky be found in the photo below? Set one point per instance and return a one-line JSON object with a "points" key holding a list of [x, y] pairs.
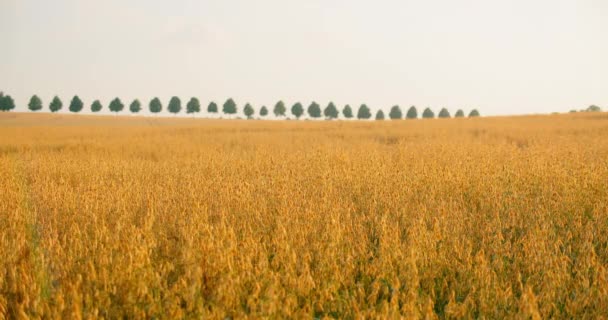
{"points": [[503, 57]]}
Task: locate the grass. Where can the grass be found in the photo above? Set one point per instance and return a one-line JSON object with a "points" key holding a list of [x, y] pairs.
{"points": [[182, 218]]}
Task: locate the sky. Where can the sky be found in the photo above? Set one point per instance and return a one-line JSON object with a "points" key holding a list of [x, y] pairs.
{"points": [[502, 57]]}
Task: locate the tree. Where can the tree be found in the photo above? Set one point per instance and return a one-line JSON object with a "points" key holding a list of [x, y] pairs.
{"points": [[363, 112], [279, 109], [444, 113], [593, 108], [155, 105], [459, 114], [193, 106], [35, 103], [229, 107], [56, 104], [314, 110], [428, 114], [379, 115], [248, 110], [6, 102], [263, 111], [135, 106], [76, 104], [347, 112], [116, 105], [331, 112], [96, 106], [395, 113], [9, 103], [474, 113], [212, 108], [297, 110], [175, 105], [412, 113]]}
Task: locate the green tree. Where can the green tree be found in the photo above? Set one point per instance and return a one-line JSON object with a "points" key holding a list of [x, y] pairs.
{"points": [[428, 114], [279, 109], [331, 112], [96, 106], [193, 106], [459, 114], [35, 103], [116, 105], [212, 108], [593, 108], [474, 113], [76, 104], [56, 104], [314, 110], [412, 113], [347, 112], [175, 105], [135, 106], [380, 115], [9, 103], [229, 107], [155, 105], [297, 110], [444, 113], [248, 110], [364, 112], [263, 111], [6, 102], [395, 113]]}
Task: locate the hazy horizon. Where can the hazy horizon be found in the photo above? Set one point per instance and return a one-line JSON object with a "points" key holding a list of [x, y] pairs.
{"points": [[511, 57]]}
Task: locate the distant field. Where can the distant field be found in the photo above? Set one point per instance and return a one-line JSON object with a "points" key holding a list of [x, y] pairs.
{"points": [[167, 218]]}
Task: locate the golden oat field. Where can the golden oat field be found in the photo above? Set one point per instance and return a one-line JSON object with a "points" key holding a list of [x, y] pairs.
{"points": [[153, 218]]}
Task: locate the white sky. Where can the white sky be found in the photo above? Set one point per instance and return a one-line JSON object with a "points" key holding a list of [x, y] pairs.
{"points": [[503, 57]]}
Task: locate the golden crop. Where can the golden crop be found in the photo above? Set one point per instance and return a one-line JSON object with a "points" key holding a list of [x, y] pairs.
{"points": [[112, 217]]}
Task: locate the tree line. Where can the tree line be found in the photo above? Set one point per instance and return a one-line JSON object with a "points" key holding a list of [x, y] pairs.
{"points": [[314, 110]]}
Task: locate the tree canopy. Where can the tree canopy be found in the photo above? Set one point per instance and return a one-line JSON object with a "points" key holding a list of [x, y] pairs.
{"points": [[474, 113], [35, 103], [116, 105], [212, 107], [76, 104], [56, 104], [459, 114], [380, 115], [331, 112], [347, 112], [314, 110], [155, 105], [428, 114], [135, 106], [297, 110], [96, 106], [279, 109], [364, 112], [175, 105], [395, 113], [6, 102], [412, 113], [193, 106], [248, 110], [229, 107], [263, 111], [444, 113]]}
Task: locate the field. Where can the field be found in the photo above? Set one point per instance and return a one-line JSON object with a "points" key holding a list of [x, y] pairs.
{"points": [[180, 218]]}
